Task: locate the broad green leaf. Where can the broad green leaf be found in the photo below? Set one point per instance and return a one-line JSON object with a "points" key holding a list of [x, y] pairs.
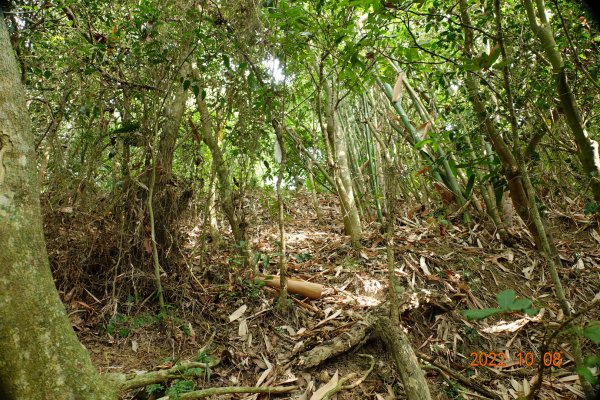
{"points": [[505, 298], [592, 331], [470, 184], [591, 361], [480, 314], [420, 144], [531, 311], [587, 375], [520, 304]]}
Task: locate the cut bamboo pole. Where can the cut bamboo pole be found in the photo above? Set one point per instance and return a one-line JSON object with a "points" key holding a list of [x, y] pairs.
{"points": [[295, 286]]}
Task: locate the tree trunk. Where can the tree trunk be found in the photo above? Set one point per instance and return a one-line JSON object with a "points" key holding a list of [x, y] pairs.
{"points": [[587, 149], [510, 165], [165, 201], [41, 357], [341, 168]]}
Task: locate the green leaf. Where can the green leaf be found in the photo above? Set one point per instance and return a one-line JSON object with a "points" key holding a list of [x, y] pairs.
{"points": [[196, 90], [252, 81], [422, 143], [505, 298], [226, 61], [531, 311], [587, 375], [520, 304], [470, 184], [480, 314], [592, 331], [591, 361], [186, 84], [155, 387], [591, 208]]}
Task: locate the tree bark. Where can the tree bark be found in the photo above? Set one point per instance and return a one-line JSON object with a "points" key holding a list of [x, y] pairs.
{"points": [[40, 355]]}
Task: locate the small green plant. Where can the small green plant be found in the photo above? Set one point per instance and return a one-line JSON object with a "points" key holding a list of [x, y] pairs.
{"points": [[122, 325], [115, 326], [507, 303], [153, 388], [262, 259], [204, 357], [473, 281], [592, 331], [590, 362], [591, 208], [453, 391], [251, 288], [302, 257], [179, 387]]}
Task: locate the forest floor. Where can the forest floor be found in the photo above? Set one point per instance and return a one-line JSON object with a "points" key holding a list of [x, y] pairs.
{"points": [[443, 266]]}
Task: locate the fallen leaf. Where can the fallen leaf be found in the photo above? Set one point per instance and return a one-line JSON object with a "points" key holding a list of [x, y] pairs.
{"points": [[423, 265], [238, 313], [243, 329], [332, 316]]}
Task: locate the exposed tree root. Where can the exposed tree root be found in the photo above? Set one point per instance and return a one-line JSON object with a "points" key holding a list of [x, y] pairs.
{"points": [[336, 346], [340, 385], [126, 383], [377, 326], [407, 364]]}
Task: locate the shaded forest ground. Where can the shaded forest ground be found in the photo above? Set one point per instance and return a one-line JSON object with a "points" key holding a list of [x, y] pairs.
{"points": [[459, 268]]}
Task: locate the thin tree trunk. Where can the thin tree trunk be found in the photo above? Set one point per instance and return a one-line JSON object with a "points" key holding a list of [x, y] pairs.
{"points": [[283, 292], [341, 173]]}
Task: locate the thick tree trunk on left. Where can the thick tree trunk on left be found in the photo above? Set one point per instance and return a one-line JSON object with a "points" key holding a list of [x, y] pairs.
{"points": [[40, 355]]}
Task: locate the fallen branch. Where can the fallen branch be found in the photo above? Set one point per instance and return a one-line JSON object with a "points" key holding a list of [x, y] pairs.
{"points": [[200, 394], [336, 346], [128, 382]]}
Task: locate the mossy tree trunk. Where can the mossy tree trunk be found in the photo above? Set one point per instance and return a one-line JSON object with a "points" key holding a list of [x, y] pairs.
{"points": [[40, 355]]}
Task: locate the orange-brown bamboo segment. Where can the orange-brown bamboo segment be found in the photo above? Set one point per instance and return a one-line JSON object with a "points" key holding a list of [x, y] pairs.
{"points": [[296, 286]]}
